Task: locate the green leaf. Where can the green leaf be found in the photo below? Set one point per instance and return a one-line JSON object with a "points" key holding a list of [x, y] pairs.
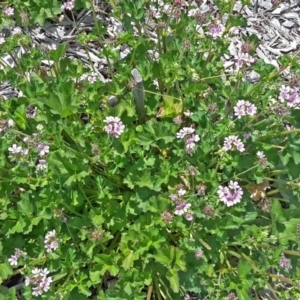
{"points": [[127, 288], [113, 269], [171, 107], [249, 217], [140, 179], [95, 276], [290, 232], [237, 20], [244, 269], [243, 294], [165, 256], [59, 276], [296, 157], [19, 227], [128, 261], [180, 259], [62, 99], [20, 116], [84, 290], [59, 52], [173, 278], [5, 271]]}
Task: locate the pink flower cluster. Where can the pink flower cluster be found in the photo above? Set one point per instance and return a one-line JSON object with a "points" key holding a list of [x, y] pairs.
{"points": [[263, 161], [15, 149], [44, 150], [182, 206], [231, 194], [114, 126], [39, 280], [216, 30], [154, 13], [68, 5], [243, 108], [290, 96], [13, 260], [233, 142], [243, 59], [189, 137], [51, 241], [285, 263]]}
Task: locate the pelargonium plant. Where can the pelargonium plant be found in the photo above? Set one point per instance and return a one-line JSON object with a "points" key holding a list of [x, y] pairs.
{"points": [[161, 173]]}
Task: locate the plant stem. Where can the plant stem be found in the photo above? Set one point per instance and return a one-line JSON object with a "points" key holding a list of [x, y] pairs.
{"points": [[72, 237], [280, 134], [114, 242], [86, 198], [149, 293], [237, 175]]}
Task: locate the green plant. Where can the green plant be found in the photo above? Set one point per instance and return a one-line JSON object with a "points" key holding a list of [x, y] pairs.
{"points": [[199, 194]]}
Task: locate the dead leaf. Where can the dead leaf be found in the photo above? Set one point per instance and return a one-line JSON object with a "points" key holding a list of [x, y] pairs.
{"points": [[258, 191]]}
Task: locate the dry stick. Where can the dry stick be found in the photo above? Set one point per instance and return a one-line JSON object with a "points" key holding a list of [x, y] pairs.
{"points": [[139, 96]]}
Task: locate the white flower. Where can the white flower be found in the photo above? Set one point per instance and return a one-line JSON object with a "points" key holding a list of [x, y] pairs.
{"points": [[10, 123], [181, 192], [15, 149]]}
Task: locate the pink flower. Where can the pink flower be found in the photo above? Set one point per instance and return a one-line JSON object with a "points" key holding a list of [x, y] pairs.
{"points": [[13, 260], [233, 142], [185, 131], [190, 139], [9, 11], [243, 108], [290, 96], [231, 194], [154, 12], [285, 263], [199, 254], [39, 280], [42, 164], [189, 217], [68, 5], [263, 161], [114, 126], [216, 31], [182, 208], [51, 241], [244, 59], [44, 149], [247, 135], [16, 31]]}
